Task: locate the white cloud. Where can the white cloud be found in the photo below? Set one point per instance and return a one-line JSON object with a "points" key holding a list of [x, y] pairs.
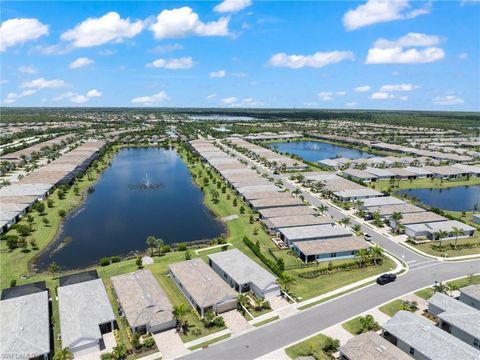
{"points": [[362, 89], [403, 50], [183, 21], [97, 31], [403, 98], [379, 11], [107, 52], [12, 97], [173, 64], [211, 96], [463, 56], [166, 48], [79, 99], [42, 83], [18, 31], [152, 99], [317, 60], [398, 87], [341, 93], [94, 93], [218, 74], [29, 69], [245, 102], [325, 95], [229, 101], [230, 6], [80, 62], [447, 100], [350, 104], [381, 96]]}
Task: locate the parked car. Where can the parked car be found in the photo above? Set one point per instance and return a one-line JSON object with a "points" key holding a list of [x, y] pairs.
{"points": [[367, 237], [368, 217], [386, 278]]}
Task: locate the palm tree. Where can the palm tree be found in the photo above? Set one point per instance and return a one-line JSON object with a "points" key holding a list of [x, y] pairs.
{"points": [[441, 288], [64, 354], [53, 268], [358, 229], [396, 216], [363, 255], [242, 302], [456, 232], [322, 208], [285, 281], [345, 221], [440, 234], [179, 312], [377, 253], [159, 245], [368, 323], [151, 240]]}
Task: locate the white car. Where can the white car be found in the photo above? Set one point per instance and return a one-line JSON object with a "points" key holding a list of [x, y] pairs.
{"points": [[367, 237]]}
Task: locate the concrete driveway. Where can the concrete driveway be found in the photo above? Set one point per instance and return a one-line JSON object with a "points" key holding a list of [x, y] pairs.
{"points": [[170, 344], [235, 322]]}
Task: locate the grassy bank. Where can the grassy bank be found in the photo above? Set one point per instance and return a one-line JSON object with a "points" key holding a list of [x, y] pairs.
{"points": [[431, 183], [448, 249], [459, 283]]}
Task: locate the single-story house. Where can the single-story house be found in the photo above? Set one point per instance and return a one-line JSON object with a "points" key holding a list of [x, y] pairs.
{"points": [[417, 218], [259, 204], [445, 172], [381, 174], [276, 223], [370, 346], [243, 274], [359, 175], [476, 218], [381, 201], [314, 232], [387, 210], [402, 173], [356, 194], [85, 315], [417, 336], [286, 211], [471, 169], [331, 163], [25, 323], [256, 188], [329, 249], [144, 303], [202, 287], [430, 229], [456, 318], [249, 196], [420, 172], [470, 295]]}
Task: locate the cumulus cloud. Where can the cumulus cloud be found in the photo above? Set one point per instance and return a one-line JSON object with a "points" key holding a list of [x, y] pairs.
{"points": [[317, 60], [29, 69], [42, 83], [325, 95], [404, 50], [447, 100], [20, 30], [463, 56], [78, 98], [97, 31], [234, 102], [230, 6], [362, 89], [229, 101], [12, 97], [218, 74], [181, 22], [80, 62], [381, 96], [152, 99], [173, 64], [379, 11], [341, 93], [94, 93], [351, 104], [211, 96], [398, 87]]}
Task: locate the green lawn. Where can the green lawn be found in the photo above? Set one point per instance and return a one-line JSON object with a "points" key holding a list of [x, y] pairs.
{"points": [[424, 183], [448, 247], [308, 347], [353, 326], [266, 321], [308, 288], [210, 342], [391, 308], [459, 283]]}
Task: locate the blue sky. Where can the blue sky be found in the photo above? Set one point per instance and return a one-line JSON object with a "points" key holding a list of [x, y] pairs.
{"points": [[372, 54]]}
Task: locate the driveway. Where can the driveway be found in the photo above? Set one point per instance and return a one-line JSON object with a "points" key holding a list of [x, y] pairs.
{"points": [[170, 344], [235, 322]]}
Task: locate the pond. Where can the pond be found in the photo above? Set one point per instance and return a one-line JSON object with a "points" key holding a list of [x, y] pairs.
{"points": [[144, 191], [317, 150], [458, 198]]}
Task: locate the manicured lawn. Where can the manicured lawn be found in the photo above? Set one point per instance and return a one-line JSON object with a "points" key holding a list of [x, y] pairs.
{"points": [[266, 321], [307, 288], [353, 326], [448, 247], [424, 183], [425, 293], [459, 283], [206, 343], [391, 308], [307, 347]]}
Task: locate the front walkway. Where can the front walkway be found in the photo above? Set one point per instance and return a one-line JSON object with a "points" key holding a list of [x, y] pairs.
{"points": [[170, 344], [236, 322]]}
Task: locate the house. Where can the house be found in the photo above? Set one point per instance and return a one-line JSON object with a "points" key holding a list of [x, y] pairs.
{"points": [[445, 172], [402, 173], [286, 211], [370, 346], [243, 274], [276, 223], [417, 218], [144, 303], [468, 169], [420, 172], [356, 194], [85, 313], [381, 201], [25, 322], [202, 287], [256, 188], [476, 218], [314, 232], [259, 204], [249, 196], [456, 318], [330, 163], [429, 230], [381, 174], [420, 338], [470, 295], [329, 248], [359, 175], [388, 210]]}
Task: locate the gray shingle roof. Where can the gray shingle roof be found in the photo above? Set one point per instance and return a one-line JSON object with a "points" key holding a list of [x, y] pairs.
{"points": [[314, 232], [370, 346], [472, 291]]}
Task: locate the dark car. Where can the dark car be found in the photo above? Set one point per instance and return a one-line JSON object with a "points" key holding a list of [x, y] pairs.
{"points": [[386, 278]]}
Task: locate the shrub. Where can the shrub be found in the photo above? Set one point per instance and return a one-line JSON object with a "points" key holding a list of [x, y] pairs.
{"points": [[105, 261], [13, 283], [182, 247], [148, 343], [24, 230], [115, 259], [272, 265], [62, 213]]}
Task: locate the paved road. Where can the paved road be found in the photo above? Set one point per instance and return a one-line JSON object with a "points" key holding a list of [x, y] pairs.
{"points": [[422, 272]]}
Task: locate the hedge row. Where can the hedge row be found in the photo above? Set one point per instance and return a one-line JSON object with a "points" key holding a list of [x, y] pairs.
{"points": [[272, 265], [331, 269]]}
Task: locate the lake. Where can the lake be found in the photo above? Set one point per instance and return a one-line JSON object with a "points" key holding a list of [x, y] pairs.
{"points": [[144, 191], [317, 150], [459, 198]]}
